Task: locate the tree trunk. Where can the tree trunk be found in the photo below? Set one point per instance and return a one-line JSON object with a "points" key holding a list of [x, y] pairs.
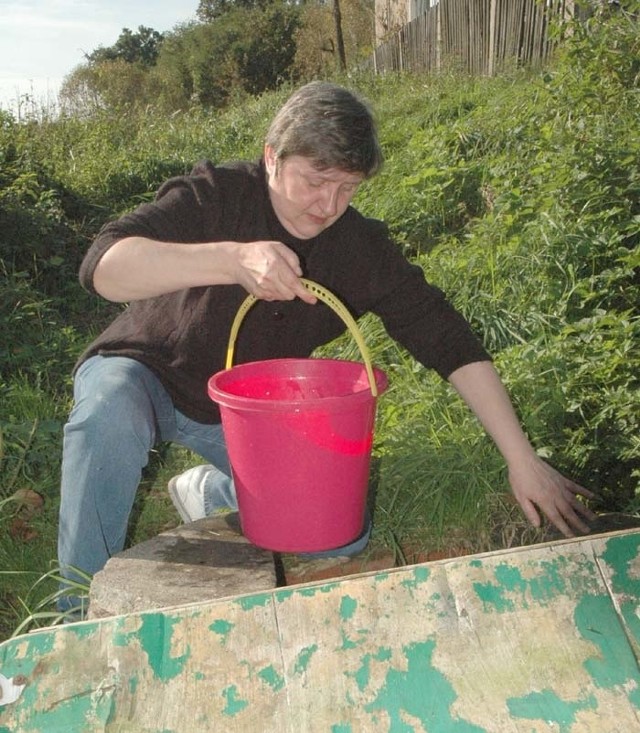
{"points": [[337, 16]]}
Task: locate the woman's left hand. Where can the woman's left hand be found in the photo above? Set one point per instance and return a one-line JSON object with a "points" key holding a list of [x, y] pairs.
{"points": [[539, 487]]}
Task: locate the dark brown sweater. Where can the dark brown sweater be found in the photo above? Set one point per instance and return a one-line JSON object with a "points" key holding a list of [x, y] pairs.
{"points": [[183, 336]]}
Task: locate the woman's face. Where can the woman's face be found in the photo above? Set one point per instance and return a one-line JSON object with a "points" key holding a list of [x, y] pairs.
{"points": [[307, 200]]}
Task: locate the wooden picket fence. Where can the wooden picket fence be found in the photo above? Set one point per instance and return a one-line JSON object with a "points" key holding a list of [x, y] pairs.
{"points": [[476, 36]]}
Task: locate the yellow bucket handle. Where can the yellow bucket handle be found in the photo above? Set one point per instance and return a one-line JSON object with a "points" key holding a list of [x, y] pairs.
{"points": [[325, 296]]}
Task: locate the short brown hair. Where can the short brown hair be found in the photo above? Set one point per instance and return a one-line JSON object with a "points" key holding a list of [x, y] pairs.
{"points": [[331, 126]]}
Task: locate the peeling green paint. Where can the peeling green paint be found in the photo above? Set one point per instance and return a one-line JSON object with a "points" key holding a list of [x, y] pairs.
{"points": [[222, 627], [420, 575], [72, 714], [629, 611], [511, 590], [423, 692], [272, 677], [396, 687], [284, 594], [348, 607], [248, 603], [234, 704], [155, 634], [597, 621], [619, 554], [311, 591], [510, 578], [303, 658], [84, 630], [550, 708], [347, 643], [492, 596], [20, 656], [363, 674], [120, 638]]}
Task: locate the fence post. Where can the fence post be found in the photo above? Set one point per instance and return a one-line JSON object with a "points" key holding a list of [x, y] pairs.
{"points": [[492, 37], [438, 37]]}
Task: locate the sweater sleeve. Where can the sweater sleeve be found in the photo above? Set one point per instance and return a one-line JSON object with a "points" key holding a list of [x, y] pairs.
{"points": [[184, 209], [424, 321], [415, 313]]}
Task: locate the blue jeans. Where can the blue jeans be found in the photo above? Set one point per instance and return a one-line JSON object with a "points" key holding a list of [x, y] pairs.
{"points": [[121, 410]]}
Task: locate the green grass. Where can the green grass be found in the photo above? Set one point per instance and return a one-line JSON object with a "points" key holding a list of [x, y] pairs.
{"points": [[24, 563], [517, 195]]}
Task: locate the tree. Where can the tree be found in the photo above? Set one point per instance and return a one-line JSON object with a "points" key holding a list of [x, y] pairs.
{"points": [[142, 47], [265, 58], [79, 94], [337, 19], [110, 84], [245, 51], [209, 10], [318, 40]]}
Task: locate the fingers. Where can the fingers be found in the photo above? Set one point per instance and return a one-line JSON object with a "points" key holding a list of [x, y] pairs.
{"points": [[568, 515], [294, 283], [564, 517], [530, 513], [301, 291], [271, 271], [566, 521], [574, 511], [560, 524], [581, 507], [557, 498], [285, 286], [576, 489]]}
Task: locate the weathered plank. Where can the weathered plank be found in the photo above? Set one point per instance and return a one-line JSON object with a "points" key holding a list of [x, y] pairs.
{"points": [[532, 640]]}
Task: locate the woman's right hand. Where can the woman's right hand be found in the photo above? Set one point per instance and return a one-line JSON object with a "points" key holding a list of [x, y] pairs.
{"points": [[270, 271]]}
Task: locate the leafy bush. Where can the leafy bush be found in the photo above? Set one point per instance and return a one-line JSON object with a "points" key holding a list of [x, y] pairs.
{"points": [[247, 50], [579, 395]]}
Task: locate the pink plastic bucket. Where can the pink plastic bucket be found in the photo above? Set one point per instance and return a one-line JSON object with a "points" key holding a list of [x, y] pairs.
{"points": [[299, 435]]}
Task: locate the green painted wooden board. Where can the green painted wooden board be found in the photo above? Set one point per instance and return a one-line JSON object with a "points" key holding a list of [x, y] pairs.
{"points": [[538, 639]]}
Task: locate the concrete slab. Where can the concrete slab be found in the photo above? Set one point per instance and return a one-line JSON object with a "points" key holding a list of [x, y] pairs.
{"points": [[199, 561]]}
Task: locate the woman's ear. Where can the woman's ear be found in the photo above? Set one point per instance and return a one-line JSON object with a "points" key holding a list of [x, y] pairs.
{"points": [[270, 160]]}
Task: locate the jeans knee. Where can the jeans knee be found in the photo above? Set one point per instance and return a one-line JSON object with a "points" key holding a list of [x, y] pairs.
{"points": [[113, 407]]}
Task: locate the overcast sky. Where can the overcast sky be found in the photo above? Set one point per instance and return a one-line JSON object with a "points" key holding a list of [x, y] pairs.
{"points": [[41, 41]]}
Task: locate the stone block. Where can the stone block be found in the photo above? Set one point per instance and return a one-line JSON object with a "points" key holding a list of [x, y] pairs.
{"points": [[199, 561]]}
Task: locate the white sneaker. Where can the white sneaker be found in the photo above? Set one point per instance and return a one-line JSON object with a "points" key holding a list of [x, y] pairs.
{"points": [[187, 493], [201, 491]]}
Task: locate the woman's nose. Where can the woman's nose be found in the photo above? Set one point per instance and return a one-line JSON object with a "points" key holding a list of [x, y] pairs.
{"points": [[329, 201]]}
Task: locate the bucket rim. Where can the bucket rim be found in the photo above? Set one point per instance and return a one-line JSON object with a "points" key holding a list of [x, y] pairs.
{"points": [[226, 399]]}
